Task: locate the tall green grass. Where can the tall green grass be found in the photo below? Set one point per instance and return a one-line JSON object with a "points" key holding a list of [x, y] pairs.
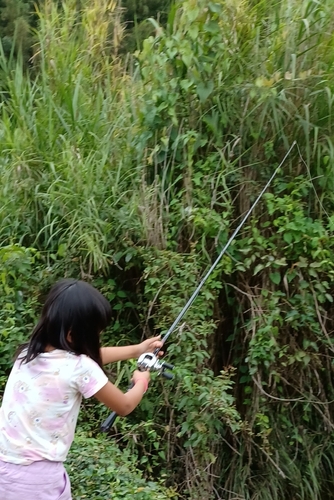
{"points": [[66, 134]]}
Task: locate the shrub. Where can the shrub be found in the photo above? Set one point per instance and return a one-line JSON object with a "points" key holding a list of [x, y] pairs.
{"points": [[99, 470]]}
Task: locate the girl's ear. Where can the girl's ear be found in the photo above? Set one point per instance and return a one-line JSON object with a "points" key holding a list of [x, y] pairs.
{"points": [[69, 337]]}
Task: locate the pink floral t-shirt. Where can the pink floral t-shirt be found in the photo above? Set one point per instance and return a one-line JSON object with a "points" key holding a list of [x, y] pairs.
{"points": [[41, 404]]}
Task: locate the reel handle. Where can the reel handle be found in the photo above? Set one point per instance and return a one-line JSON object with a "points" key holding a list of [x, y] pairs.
{"points": [[167, 366]]}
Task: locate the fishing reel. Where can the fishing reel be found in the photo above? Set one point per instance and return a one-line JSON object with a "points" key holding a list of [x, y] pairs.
{"points": [[150, 362]]}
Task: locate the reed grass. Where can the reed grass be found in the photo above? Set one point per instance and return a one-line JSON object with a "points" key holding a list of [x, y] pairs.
{"points": [[66, 136]]}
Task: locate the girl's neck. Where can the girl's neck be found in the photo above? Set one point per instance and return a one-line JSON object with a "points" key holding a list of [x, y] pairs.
{"points": [[49, 348]]}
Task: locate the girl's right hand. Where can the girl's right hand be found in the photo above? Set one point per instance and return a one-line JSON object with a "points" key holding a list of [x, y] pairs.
{"points": [[144, 376], [121, 403], [141, 375]]}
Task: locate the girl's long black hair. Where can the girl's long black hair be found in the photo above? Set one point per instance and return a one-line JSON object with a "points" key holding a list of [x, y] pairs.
{"points": [[73, 316]]}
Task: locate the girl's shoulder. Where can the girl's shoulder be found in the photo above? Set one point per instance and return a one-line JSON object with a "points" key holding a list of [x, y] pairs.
{"points": [[55, 357], [59, 360], [65, 358]]}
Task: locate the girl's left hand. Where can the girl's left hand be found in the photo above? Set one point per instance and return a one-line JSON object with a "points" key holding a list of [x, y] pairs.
{"points": [[150, 345]]}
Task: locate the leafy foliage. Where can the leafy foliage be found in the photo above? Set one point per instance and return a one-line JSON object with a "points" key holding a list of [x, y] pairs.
{"points": [[134, 177], [136, 16], [17, 300], [115, 476]]}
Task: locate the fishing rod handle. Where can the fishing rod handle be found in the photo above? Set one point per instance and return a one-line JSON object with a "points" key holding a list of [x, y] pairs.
{"points": [[109, 422]]}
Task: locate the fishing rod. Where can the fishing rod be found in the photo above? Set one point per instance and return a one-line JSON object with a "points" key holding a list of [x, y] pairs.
{"points": [[149, 361]]}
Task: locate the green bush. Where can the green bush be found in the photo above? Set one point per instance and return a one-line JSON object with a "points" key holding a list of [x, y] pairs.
{"points": [[18, 299], [99, 470]]}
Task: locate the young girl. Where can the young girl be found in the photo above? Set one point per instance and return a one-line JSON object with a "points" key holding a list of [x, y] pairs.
{"points": [[61, 363]]}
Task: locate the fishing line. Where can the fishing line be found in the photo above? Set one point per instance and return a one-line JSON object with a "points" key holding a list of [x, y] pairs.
{"points": [[223, 251], [150, 361]]}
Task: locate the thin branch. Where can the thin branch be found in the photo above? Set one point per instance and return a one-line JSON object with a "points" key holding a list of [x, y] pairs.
{"points": [[281, 473]]}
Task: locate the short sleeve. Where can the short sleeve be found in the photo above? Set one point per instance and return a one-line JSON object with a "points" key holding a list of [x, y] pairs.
{"points": [[88, 377]]}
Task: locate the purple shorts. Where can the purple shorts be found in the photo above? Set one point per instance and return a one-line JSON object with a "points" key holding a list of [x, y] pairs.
{"points": [[44, 480]]}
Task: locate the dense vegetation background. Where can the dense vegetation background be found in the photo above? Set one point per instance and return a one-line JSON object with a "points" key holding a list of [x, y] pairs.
{"points": [[131, 171]]}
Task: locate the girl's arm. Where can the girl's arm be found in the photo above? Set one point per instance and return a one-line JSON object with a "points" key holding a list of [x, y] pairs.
{"points": [[121, 403], [112, 354]]}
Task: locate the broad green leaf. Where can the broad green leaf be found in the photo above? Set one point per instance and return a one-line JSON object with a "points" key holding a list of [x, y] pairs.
{"points": [[204, 90], [275, 277]]}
